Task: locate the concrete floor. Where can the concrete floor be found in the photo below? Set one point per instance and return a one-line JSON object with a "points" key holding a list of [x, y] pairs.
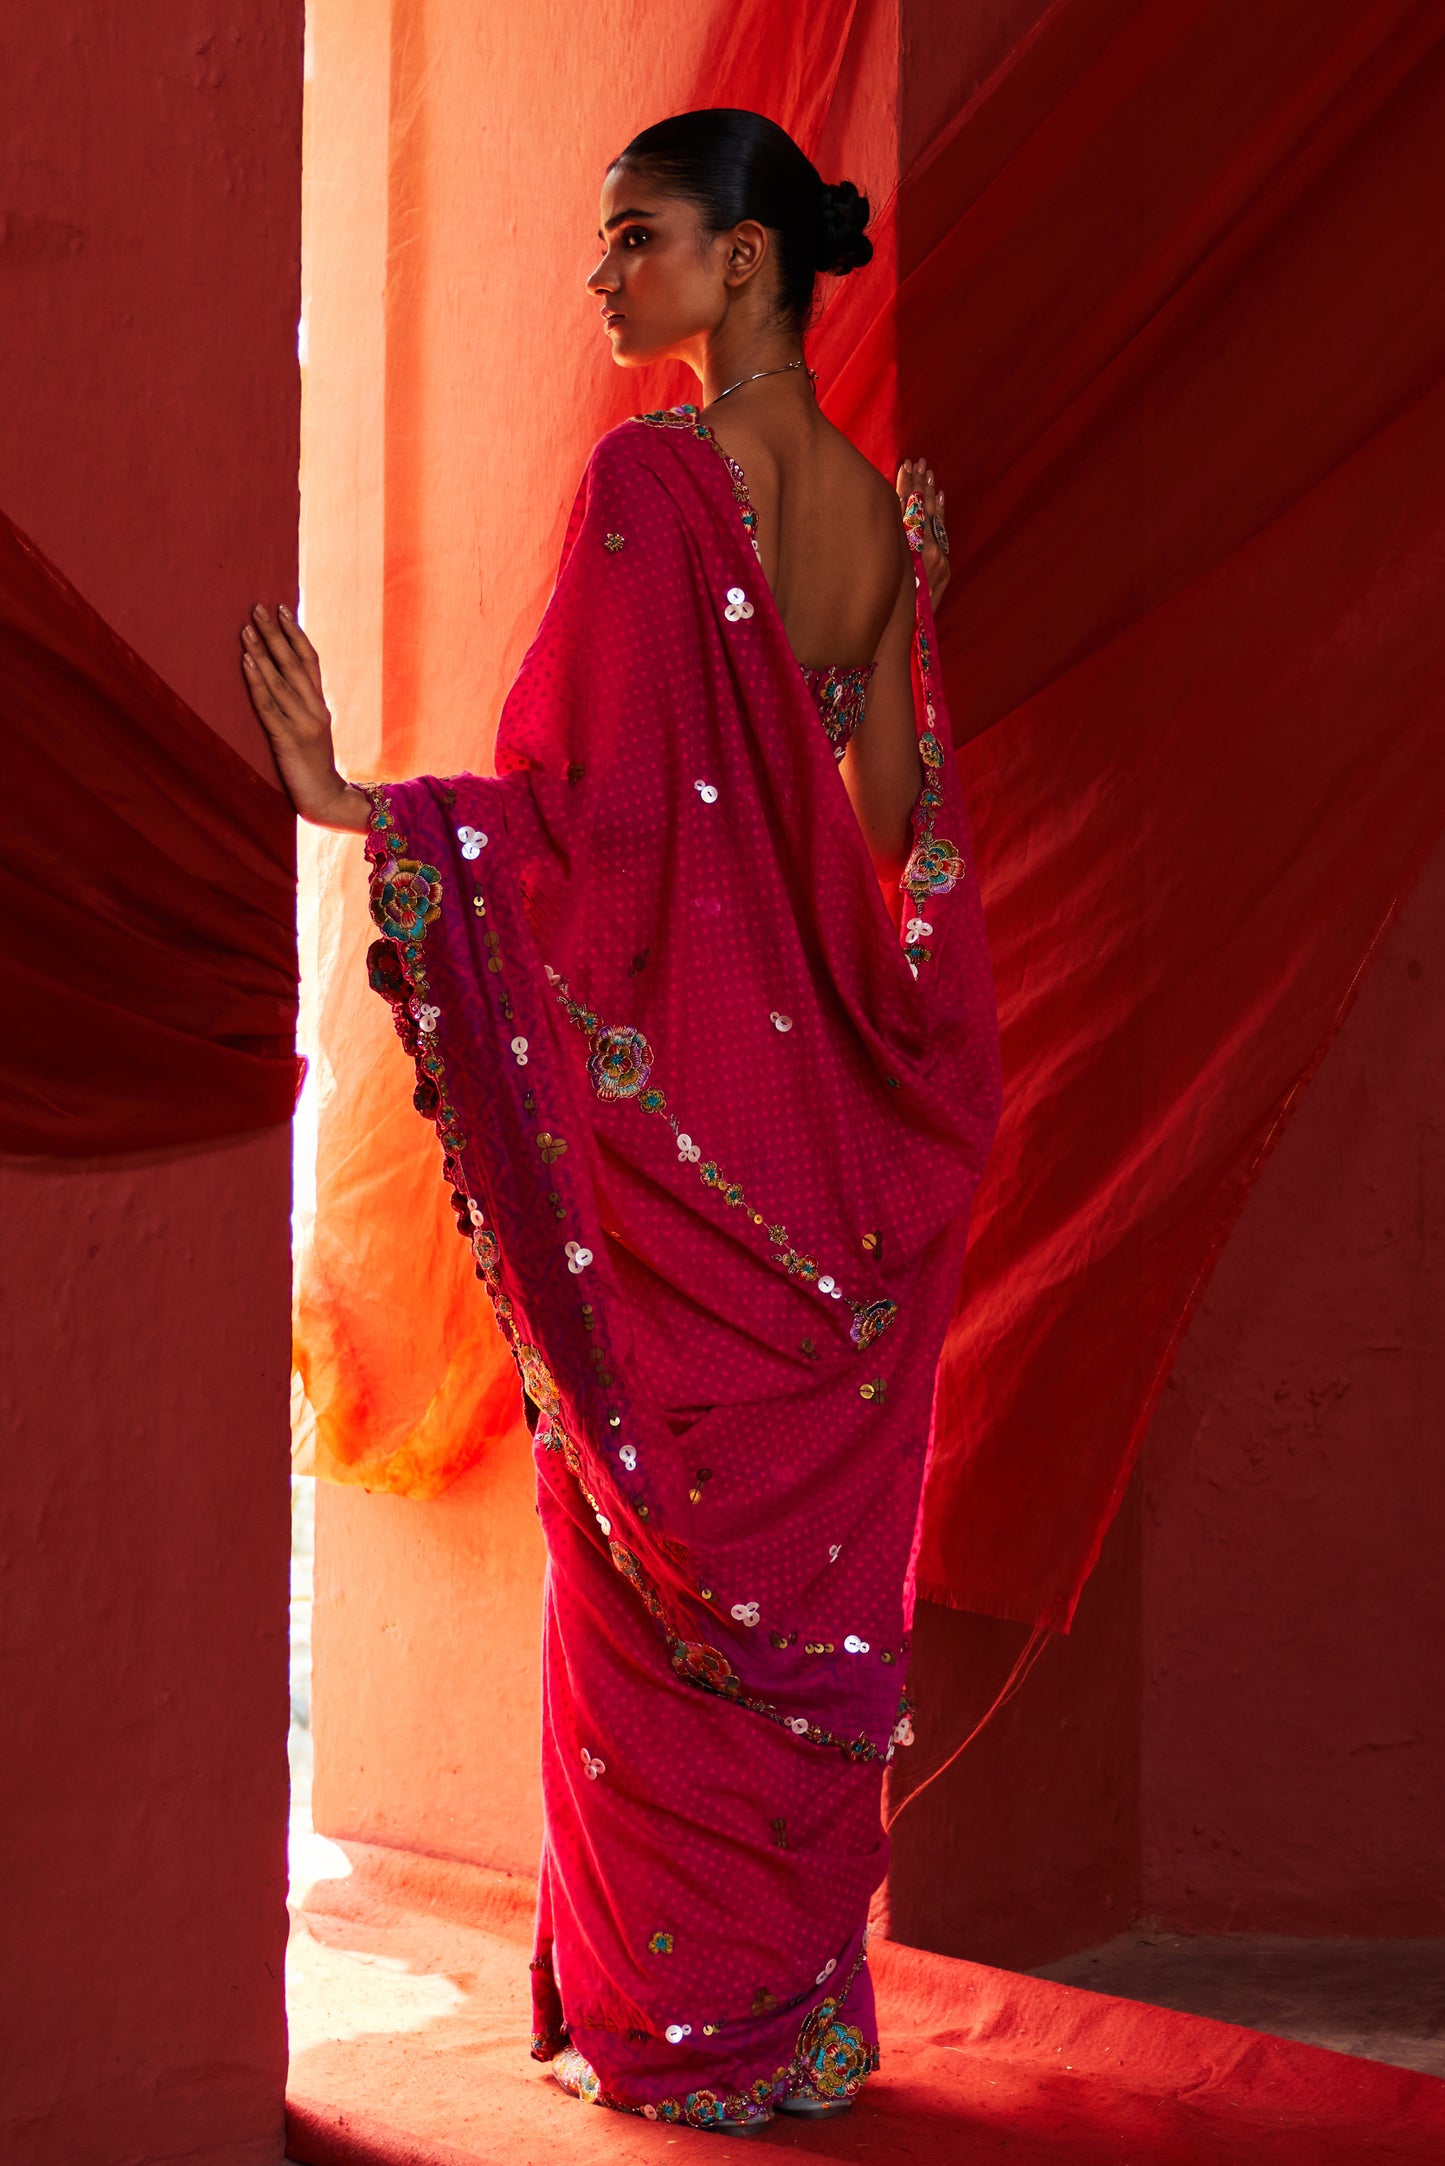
{"points": [[1381, 1999]]}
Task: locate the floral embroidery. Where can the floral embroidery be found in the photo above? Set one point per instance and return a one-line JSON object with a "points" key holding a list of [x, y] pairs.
{"points": [[613, 542], [840, 695], [406, 897], [660, 1944], [621, 1061], [832, 2057], [933, 868], [576, 2074], [870, 1318]]}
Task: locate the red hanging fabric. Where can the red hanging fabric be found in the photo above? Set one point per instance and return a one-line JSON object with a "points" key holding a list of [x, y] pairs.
{"points": [[1171, 323], [149, 975]]}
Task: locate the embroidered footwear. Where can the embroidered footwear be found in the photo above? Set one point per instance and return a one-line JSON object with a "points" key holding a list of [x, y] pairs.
{"points": [[576, 2074], [814, 2109]]}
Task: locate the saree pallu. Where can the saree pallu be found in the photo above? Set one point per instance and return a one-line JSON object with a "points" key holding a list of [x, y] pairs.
{"points": [[713, 1126]]}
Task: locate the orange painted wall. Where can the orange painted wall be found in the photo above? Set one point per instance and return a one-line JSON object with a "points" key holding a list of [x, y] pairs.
{"points": [[149, 238]]}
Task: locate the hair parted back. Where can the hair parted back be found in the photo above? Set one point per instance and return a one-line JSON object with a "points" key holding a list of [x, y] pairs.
{"points": [[734, 165]]}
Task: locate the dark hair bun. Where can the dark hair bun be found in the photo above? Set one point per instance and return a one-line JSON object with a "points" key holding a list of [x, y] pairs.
{"points": [[842, 214]]}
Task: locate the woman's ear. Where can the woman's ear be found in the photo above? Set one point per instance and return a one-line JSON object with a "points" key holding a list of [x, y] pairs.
{"points": [[748, 250]]}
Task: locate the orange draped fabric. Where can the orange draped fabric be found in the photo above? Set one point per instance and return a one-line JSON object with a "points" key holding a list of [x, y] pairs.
{"points": [[1168, 320]]}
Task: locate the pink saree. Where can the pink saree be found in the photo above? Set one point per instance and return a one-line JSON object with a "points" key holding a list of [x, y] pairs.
{"points": [[713, 1129]]}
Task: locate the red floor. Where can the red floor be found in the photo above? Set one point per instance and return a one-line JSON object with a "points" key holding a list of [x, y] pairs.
{"points": [[409, 2011]]}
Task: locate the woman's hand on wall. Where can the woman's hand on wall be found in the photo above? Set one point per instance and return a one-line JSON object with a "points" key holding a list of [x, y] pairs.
{"points": [[283, 676], [915, 478]]}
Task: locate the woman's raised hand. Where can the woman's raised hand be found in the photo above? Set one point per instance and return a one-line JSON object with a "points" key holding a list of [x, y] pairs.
{"points": [[915, 478], [283, 676]]}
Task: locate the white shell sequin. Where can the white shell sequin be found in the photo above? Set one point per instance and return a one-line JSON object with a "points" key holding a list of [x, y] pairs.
{"points": [[472, 840], [738, 606]]}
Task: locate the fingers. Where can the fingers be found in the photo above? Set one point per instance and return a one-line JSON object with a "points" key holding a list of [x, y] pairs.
{"points": [[283, 673], [915, 478], [271, 696], [274, 635], [305, 653]]}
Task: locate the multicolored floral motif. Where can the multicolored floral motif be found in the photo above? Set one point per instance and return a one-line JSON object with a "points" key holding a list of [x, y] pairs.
{"points": [[932, 869], [870, 1319], [406, 897], [833, 2057], [841, 695], [621, 1061]]}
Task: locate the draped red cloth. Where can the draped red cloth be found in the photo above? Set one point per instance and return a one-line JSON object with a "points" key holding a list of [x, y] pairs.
{"points": [[150, 973], [1170, 324]]}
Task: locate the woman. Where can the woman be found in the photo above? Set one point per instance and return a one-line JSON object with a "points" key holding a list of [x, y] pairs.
{"points": [[713, 1104]]}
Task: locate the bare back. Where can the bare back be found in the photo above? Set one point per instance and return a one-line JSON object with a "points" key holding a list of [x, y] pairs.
{"points": [[830, 537]]}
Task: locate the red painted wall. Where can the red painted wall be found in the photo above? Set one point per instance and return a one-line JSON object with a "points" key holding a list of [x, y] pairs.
{"points": [[149, 243], [1293, 1726]]}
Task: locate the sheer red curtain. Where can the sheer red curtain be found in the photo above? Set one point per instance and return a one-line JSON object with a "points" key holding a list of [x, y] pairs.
{"points": [[1171, 319]]}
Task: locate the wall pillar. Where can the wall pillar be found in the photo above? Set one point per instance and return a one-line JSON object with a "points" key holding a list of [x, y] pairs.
{"points": [[149, 243]]}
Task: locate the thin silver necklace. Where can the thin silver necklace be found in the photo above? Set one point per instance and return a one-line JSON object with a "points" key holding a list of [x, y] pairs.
{"points": [[812, 378]]}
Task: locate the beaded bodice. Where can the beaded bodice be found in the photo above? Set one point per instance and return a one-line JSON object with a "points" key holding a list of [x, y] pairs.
{"points": [[840, 694]]}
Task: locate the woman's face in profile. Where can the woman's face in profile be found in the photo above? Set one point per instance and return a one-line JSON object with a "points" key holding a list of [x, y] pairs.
{"points": [[660, 281]]}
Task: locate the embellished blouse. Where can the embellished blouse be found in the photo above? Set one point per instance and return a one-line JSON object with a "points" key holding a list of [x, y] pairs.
{"points": [[840, 694]]}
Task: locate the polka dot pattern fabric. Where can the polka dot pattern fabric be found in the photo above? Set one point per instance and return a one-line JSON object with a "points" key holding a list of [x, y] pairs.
{"points": [[713, 1127]]}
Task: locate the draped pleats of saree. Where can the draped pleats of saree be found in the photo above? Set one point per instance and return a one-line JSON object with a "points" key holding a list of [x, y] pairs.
{"points": [[712, 1128]]}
